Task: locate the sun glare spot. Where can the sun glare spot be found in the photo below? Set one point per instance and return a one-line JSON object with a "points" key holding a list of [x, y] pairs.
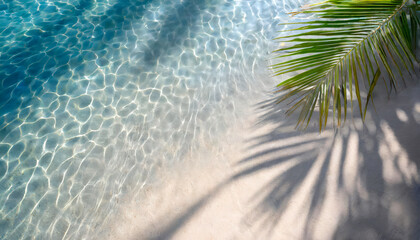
{"points": [[402, 115]]}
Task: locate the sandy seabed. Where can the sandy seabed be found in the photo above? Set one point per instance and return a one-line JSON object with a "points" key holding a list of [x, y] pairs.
{"points": [[266, 180]]}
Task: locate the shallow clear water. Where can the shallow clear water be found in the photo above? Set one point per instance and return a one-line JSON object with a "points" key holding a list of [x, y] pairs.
{"points": [[94, 95]]}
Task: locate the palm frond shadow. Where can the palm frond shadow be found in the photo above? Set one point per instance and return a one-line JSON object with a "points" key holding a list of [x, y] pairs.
{"points": [[349, 167], [290, 148]]}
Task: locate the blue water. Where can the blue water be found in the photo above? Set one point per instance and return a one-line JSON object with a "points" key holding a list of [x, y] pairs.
{"points": [[96, 95]]}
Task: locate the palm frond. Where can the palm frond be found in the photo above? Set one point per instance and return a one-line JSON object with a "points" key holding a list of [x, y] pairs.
{"points": [[341, 50]]}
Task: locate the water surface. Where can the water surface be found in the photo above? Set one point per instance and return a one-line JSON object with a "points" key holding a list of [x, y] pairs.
{"points": [[95, 95]]}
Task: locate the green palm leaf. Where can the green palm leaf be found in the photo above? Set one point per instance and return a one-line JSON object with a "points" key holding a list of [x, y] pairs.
{"points": [[341, 50]]}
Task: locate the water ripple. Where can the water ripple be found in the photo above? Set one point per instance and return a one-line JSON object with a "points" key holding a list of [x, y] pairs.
{"points": [[96, 95]]}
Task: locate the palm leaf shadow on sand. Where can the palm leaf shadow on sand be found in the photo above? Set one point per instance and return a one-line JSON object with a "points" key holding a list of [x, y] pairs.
{"points": [[363, 178], [322, 173]]}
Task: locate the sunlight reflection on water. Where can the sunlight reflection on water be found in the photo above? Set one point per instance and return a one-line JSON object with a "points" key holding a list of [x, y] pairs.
{"points": [[95, 95]]}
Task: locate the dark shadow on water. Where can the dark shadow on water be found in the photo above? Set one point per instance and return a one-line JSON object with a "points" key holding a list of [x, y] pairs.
{"points": [[176, 27]]}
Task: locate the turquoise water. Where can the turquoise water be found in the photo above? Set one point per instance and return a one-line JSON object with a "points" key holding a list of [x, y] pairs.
{"points": [[97, 94]]}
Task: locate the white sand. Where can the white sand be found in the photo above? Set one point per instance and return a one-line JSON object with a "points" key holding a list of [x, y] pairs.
{"points": [[268, 181]]}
